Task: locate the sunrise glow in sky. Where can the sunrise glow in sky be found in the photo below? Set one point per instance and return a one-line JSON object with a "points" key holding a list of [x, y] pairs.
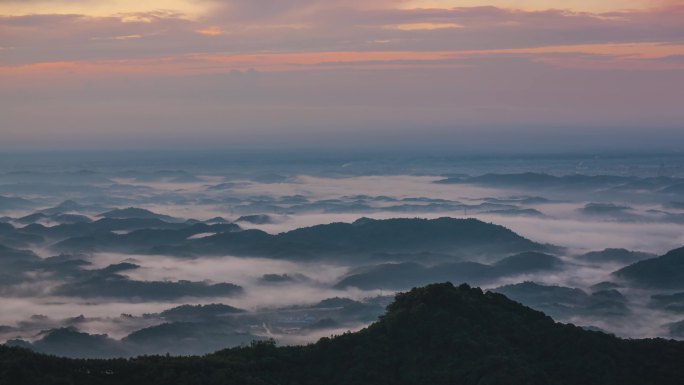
{"points": [[90, 73]]}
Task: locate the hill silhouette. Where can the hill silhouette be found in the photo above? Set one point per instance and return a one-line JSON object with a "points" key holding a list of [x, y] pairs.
{"points": [[136, 213], [366, 236], [438, 334], [362, 238], [615, 255], [409, 274], [664, 272]]}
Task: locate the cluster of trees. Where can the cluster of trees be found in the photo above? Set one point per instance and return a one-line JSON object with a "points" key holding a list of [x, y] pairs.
{"points": [[438, 334]]}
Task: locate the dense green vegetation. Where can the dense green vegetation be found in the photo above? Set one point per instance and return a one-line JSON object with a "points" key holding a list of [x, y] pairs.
{"points": [[438, 334]]}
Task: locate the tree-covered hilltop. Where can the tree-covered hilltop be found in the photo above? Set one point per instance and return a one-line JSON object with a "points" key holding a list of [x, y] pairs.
{"points": [[438, 334]]}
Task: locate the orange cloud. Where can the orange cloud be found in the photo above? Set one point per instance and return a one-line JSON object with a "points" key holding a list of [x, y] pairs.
{"points": [[631, 56], [424, 26], [211, 31], [189, 8], [536, 5]]}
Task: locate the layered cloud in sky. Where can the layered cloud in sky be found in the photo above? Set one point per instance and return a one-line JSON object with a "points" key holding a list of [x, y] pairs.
{"points": [[85, 72]]}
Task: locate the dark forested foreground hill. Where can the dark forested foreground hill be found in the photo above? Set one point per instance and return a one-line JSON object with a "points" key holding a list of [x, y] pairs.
{"points": [[438, 334]]}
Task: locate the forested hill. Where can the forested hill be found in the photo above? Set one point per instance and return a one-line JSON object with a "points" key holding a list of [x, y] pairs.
{"points": [[438, 334]]}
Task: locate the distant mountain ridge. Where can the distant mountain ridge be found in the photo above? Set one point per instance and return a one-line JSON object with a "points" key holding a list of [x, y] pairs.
{"points": [[363, 237], [536, 180], [367, 236], [409, 274], [136, 213]]}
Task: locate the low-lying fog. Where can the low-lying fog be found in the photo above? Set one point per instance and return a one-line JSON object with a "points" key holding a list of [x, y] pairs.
{"points": [[122, 272]]}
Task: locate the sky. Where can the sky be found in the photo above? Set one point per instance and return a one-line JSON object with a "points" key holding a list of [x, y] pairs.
{"points": [[531, 75]]}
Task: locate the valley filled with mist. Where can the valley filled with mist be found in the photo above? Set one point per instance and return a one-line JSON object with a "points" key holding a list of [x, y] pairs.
{"points": [[122, 254]]}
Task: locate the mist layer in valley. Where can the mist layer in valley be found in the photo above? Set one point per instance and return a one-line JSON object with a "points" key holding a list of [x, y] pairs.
{"points": [[111, 255]]}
